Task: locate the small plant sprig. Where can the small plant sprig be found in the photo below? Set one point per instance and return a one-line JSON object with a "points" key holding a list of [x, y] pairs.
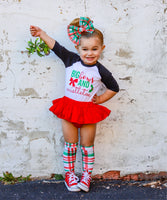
{"points": [[8, 178], [40, 47], [57, 177]]}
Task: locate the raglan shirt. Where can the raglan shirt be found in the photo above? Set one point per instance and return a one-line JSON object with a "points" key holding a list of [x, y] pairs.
{"points": [[82, 81]]}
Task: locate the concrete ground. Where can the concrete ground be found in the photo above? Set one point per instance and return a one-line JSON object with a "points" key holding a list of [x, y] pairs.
{"points": [[55, 190]]}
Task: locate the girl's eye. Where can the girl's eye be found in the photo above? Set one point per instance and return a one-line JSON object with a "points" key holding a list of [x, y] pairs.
{"points": [[94, 49], [84, 49]]}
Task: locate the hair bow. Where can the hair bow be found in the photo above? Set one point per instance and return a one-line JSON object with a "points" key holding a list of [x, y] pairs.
{"points": [[74, 32]]}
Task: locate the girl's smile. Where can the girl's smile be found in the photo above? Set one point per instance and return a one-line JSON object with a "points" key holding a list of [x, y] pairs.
{"points": [[90, 50]]}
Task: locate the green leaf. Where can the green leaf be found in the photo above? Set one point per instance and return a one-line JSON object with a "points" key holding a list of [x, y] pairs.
{"points": [[28, 49], [30, 43], [38, 49], [39, 54], [33, 50], [42, 46], [58, 177], [36, 41], [45, 50]]}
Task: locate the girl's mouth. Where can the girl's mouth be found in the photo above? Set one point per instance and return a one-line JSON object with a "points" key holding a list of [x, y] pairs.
{"points": [[90, 58]]}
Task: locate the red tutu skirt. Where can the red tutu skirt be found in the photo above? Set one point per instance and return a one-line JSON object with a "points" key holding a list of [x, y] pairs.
{"points": [[79, 112]]}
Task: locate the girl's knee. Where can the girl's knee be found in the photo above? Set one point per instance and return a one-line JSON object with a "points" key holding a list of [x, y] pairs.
{"points": [[87, 134]]}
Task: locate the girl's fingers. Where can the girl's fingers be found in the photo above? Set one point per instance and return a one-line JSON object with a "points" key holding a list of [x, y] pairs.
{"points": [[35, 31], [33, 28], [94, 98], [32, 33]]}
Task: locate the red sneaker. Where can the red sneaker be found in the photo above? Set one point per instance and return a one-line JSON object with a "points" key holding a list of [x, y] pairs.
{"points": [[84, 184], [71, 182]]}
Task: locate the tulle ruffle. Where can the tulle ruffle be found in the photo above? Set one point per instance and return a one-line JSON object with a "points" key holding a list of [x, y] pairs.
{"points": [[78, 112]]}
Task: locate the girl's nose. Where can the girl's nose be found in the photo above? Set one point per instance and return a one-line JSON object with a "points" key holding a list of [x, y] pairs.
{"points": [[89, 52]]}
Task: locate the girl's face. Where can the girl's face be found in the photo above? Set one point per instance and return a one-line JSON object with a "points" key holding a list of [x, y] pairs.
{"points": [[90, 50]]}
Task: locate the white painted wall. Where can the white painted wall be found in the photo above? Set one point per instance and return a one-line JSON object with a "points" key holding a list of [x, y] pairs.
{"points": [[133, 139]]}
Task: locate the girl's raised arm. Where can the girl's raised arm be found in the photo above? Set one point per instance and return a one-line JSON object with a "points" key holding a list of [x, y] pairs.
{"points": [[38, 32]]}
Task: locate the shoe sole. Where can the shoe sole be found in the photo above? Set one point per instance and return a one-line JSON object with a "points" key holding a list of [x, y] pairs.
{"points": [[72, 189], [82, 187]]}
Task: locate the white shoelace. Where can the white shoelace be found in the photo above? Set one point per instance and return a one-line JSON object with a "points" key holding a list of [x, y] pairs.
{"points": [[86, 177], [73, 178]]}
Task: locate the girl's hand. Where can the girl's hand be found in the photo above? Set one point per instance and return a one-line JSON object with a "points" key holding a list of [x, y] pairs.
{"points": [[35, 31], [108, 94], [96, 99]]}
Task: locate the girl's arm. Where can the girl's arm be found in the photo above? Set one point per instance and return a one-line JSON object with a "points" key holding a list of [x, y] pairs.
{"points": [[108, 94], [38, 32]]}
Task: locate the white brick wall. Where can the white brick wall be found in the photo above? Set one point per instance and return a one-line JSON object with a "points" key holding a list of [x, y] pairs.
{"points": [[133, 138]]}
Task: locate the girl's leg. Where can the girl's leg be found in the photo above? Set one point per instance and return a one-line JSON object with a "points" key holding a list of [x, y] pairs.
{"points": [[70, 133], [87, 136]]}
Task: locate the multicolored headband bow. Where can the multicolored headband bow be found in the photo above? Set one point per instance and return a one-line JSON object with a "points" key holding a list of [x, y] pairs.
{"points": [[74, 32]]}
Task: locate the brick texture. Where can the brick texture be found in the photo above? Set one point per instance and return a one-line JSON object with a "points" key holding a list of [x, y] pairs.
{"points": [[115, 175]]}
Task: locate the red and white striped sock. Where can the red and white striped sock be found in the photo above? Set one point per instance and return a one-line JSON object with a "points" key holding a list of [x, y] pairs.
{"points": [[69, 156], [88, 158]]}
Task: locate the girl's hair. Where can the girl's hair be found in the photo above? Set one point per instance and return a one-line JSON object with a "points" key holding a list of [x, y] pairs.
{"points": [[96, 32]]}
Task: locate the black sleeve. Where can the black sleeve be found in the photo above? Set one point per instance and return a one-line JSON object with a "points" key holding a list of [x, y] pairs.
{"points": [[107, 78], [65, 55]]}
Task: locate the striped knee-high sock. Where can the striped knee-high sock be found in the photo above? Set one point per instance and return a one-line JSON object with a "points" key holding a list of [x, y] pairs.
{"points": [[88, 158], [69, 156]]}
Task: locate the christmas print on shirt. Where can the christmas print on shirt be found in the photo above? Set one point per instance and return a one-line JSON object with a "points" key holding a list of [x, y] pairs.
{"points": [[82, 82], [79, 81]]}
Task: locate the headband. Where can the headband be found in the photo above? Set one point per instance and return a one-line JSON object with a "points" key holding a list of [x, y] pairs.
{"points": [[74, 32]]}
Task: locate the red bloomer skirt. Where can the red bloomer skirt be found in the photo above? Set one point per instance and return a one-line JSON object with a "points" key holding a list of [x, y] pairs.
{"points": [[78, 112]]}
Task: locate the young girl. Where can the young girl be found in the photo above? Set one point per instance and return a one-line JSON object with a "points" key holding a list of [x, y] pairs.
{"points": [[79, 108]]}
